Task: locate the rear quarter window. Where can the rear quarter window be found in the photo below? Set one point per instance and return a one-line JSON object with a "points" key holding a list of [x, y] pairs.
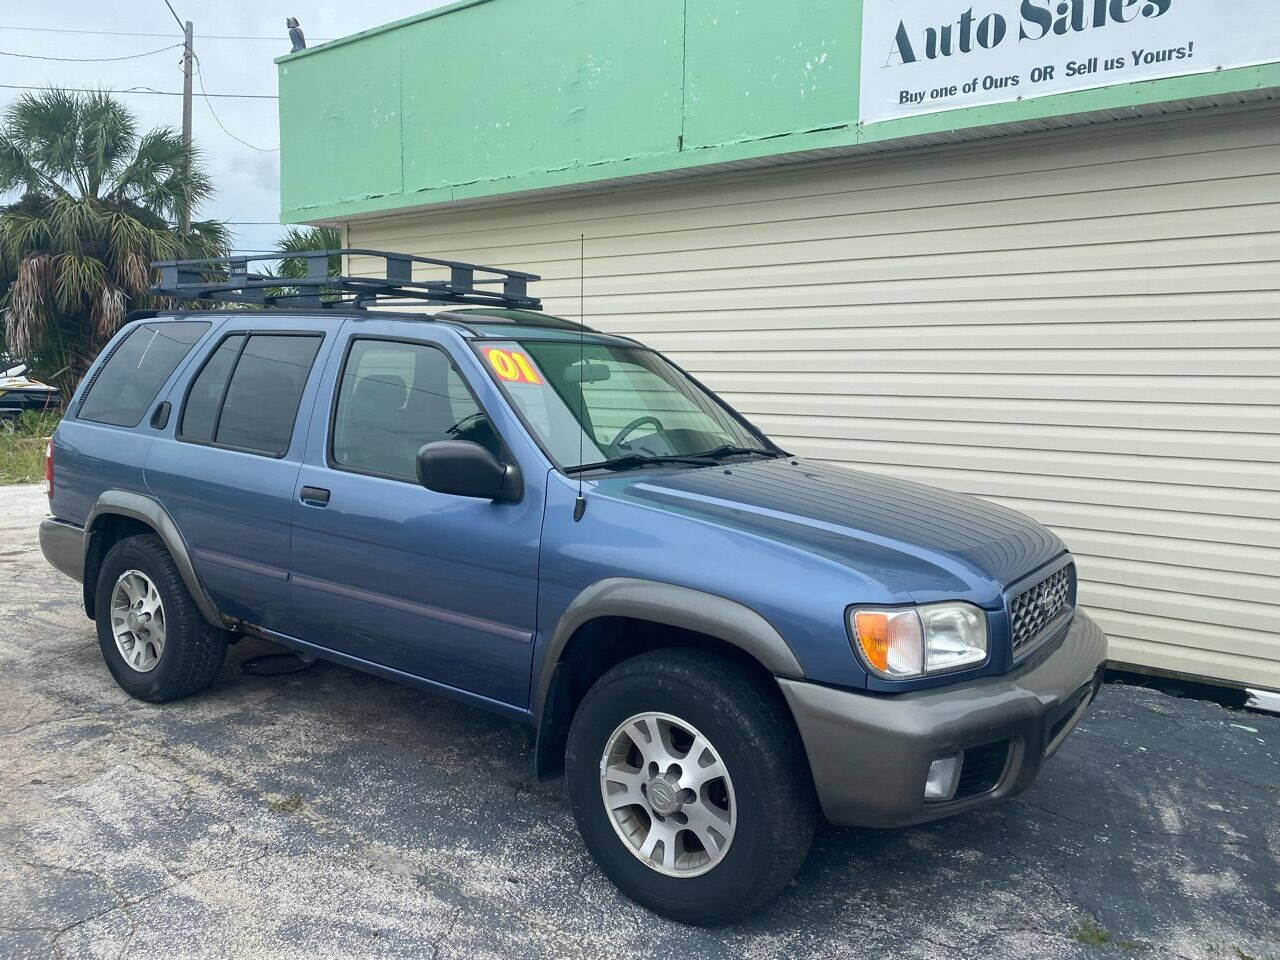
{"points": [[138, 367]]}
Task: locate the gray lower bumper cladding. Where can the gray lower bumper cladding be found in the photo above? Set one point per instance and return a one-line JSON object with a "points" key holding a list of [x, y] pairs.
{"points": [[870, 754]]}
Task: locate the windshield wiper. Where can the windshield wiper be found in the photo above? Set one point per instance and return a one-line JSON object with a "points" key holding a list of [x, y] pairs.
{"points": [[633, 460], [729, 450]]}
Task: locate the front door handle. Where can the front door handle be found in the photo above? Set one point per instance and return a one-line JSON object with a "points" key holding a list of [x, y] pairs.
{"points": [[316, 496]]}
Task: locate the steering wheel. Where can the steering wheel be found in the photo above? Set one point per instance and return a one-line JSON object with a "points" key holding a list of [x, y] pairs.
{"points": [[635, 425]]}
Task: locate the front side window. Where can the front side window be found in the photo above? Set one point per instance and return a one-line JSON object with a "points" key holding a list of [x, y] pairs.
{"points": [[594, 402], [393, 398], [248, 393], [135, 372]]}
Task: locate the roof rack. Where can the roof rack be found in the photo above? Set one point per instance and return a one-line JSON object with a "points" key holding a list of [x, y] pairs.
{"points": [[230, 279]]}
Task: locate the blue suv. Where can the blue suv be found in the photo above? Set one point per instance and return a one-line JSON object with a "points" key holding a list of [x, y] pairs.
{"points": [[714, 640]]}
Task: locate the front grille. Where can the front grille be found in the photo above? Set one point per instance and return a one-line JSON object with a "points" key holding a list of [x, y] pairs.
{"points": [[1036, 607], [981, 769]]}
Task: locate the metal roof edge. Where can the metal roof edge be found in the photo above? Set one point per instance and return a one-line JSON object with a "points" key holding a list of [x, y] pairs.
{"points": [[384, 28]]}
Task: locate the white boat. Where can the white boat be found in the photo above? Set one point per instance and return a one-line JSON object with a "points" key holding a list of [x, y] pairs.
{"points": [[19, 392]]}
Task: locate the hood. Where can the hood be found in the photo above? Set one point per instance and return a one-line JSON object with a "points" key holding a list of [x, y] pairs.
{"points": [[918, 542]]}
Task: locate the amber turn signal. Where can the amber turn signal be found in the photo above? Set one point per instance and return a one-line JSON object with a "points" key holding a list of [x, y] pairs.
{"points": [[891, 641]]}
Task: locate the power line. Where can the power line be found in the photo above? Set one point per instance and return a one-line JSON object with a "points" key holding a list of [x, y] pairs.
{"points": [[133, 56], [218, 120], [181, 26], [143, 90], [129, 33]]}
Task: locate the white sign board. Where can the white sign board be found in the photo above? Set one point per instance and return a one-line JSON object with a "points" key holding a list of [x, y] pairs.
{"points": [[924, 56]]}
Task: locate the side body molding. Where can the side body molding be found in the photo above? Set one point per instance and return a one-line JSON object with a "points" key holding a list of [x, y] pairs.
{"points": [[676, 606], [123, 503]]}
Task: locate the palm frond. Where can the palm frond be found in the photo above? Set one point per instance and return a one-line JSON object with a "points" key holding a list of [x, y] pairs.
{"points": [[164, 175], [45, 128], [28, 303], [23, 232], [76, 281], [208, 238], [108, 308], [18, 172], [298, 239], [74, 225], [106, 134]]}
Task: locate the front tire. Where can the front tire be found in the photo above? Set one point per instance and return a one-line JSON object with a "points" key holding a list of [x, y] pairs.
{"points": [[690, 786], [154, 639]]}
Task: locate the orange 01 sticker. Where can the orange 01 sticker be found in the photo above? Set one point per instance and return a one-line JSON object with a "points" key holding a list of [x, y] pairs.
{"points": [[512, 366]]}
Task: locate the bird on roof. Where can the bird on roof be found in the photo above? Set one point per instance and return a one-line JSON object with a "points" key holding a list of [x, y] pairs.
{"points": [[295, 35]]}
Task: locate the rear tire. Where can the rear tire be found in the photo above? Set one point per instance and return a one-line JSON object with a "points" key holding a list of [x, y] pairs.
{"points": [[154, 639], [649, 731]]}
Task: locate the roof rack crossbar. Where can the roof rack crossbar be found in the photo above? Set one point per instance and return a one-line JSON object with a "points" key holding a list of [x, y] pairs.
{"points": [[230, 279]]}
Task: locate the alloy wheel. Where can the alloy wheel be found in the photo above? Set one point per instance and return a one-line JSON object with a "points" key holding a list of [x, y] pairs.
{"points": [[137, 620], [668, 794]]}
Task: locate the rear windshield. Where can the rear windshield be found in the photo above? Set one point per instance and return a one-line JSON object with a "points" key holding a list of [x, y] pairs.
{"points": [[137, 369]]}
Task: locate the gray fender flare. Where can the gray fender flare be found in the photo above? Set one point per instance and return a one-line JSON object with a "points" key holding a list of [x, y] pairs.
{"points": [[676, 606], [124, 503]]}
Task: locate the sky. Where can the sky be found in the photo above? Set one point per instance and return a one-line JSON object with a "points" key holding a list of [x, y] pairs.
{"points": [[236, 42]]}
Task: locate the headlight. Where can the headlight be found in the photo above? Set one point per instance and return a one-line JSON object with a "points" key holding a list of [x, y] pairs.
{"points": [[918, 641]]}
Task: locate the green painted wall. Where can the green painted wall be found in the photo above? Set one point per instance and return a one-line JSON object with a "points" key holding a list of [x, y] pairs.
{"points": [[489, 97], [749, 76]]}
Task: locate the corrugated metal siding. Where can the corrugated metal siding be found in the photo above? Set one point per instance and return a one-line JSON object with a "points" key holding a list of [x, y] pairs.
{"points": [[1083, 326]]}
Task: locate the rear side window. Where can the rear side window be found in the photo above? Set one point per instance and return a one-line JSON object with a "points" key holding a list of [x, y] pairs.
{"points": [[206, 393], [248, 393], [134, 373]]}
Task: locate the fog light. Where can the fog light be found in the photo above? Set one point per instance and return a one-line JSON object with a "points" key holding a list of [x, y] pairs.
{"points": [[943, 776]]}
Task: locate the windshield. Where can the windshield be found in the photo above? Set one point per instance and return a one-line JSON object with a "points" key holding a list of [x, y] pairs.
{"points": [[593, 403]]}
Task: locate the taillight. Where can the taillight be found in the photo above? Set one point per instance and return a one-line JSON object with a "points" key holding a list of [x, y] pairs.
{"points": [[48, 469]]}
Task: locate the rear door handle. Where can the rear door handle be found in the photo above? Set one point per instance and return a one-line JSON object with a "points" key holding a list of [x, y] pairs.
{"points": [[316, 496]]}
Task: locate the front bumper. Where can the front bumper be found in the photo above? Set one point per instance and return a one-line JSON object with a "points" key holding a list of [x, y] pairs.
{"points": [[870, 754]]}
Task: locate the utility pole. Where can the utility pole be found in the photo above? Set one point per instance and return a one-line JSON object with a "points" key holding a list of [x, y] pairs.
{"points": [[187, 56]]}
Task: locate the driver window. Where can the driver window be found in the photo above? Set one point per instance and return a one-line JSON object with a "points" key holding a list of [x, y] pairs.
{"points": [[631, 391], [394, 397]]}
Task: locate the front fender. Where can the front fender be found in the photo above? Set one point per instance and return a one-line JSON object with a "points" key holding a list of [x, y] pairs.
{"points": [[675, 606]]}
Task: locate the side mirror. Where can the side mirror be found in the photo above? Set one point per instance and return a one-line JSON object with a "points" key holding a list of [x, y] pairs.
{"points": [[466, 469]]}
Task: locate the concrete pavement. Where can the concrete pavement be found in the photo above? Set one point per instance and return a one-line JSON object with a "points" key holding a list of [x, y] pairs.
{"points": [[332, 814]]}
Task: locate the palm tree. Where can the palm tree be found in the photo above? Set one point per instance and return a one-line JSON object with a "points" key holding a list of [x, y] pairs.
{"points": [[92, 203], [298, 239]]}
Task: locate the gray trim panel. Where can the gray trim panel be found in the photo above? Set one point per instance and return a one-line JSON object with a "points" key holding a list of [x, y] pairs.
{"points": [[870, 754], [675, 606], [149, 510], [63, 546]]}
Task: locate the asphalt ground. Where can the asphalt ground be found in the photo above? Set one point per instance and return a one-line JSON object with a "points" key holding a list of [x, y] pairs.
{"points": [[333, 814]]}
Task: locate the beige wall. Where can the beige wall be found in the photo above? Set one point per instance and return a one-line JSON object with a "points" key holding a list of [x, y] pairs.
{"points": [[1083, 326]]}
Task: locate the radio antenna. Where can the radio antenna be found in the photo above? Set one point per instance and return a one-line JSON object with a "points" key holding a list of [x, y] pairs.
{"points": [[580, 505]]}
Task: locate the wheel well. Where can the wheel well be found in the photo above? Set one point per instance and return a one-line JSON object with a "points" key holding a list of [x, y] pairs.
{"points": [[107, 530], [595, 648]]}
